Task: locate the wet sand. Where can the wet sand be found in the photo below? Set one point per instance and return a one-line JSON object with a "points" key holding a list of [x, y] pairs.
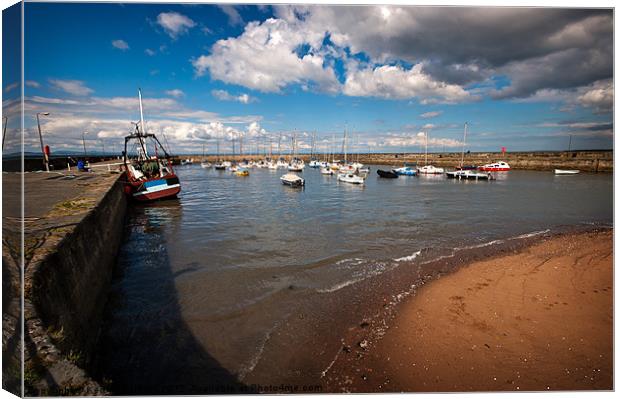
{"points": [[538, 319]]}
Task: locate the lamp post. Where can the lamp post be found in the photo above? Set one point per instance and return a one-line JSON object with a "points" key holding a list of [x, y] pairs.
{"points": [[6, 121], [46, 161], [84, 143]]}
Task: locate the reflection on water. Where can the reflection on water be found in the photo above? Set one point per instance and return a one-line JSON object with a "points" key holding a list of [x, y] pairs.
{"points": [[215, 272]]}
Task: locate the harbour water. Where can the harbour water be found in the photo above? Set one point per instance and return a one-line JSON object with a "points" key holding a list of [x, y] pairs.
{"points": [[244, 281]]}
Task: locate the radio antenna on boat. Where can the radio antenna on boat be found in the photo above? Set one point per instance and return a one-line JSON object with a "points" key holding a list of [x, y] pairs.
{"points": [[141, 112]]}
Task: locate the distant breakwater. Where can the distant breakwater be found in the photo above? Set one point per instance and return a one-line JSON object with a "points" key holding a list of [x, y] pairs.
{"points": [[587, 161]]}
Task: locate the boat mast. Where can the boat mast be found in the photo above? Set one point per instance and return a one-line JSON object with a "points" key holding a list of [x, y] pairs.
{"points": [[426, 148], [344, 144], [142, 126], [463, 150], [233, 147]]}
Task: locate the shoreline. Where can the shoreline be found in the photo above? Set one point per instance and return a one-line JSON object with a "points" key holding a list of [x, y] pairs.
{"points": [[451, 336]]}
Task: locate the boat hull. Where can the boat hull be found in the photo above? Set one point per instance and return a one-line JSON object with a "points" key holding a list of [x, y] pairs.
{"points": [[565, 172], [468, 175], [156, 189], [490, 169], [387, 174]]}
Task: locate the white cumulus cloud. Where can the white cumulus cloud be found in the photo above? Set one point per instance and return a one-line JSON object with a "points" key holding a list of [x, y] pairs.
{"points": [[175, 24], [430, 114], [75, 87], [226, 96], [176, 93], [120, 44], [396, 82], [265, 58]]}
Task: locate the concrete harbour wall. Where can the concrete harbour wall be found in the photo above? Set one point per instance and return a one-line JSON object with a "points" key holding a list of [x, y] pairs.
{"points": [[67, 281], [587, 161]]}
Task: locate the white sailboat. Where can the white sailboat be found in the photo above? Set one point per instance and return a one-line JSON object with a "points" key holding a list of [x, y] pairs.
{"points": [[350, 178], [204, 163], [428, 169], [347, 173], [296, 165]]}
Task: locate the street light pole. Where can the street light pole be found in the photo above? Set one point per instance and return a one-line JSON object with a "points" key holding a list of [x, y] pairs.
{"points": [[45, 159], [6, 121], [84, 144]]}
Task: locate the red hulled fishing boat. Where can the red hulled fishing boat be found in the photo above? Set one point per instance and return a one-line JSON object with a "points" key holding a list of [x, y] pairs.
{"points": [[150, 177]]}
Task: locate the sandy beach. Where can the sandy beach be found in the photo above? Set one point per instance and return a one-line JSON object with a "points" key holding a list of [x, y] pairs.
{"points": [[539, 319]]}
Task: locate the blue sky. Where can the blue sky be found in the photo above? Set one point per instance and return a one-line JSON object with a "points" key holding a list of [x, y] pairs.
{"points": [[522, 78]]}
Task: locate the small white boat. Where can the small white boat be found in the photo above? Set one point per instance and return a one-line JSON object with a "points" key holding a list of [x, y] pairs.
{"points": [[220, 166], [566, 171], [350, 178], [314, 164], [296, 167], [293, 180], [272, 166], [205, 164], [500, 166], [430, 170], [469, 175], [357, 165], [326, 171]]}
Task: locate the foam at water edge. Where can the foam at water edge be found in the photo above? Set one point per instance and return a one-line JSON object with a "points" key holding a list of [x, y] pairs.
{"points": [[408, 258], [532, 234]]}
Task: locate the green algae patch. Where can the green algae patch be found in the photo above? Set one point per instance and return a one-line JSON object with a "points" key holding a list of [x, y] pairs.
{"points": [[72, 207]]}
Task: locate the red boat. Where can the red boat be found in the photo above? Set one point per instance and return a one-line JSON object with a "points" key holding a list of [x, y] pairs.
{"points": [[495, 167], [149, 177]]}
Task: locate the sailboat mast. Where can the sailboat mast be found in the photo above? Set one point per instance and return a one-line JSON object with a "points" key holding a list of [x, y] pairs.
{"points": [[463, 150], [426, 148], [344, 145]]}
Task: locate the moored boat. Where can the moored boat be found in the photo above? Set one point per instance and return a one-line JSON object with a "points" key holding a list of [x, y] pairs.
{"points": [[242, 172], [149, 177], [500, 166], [406, 171], [469, 175], [387, 174], [293, 180], [430, 170], [350, 178], [327, 171], [566, 171]]}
